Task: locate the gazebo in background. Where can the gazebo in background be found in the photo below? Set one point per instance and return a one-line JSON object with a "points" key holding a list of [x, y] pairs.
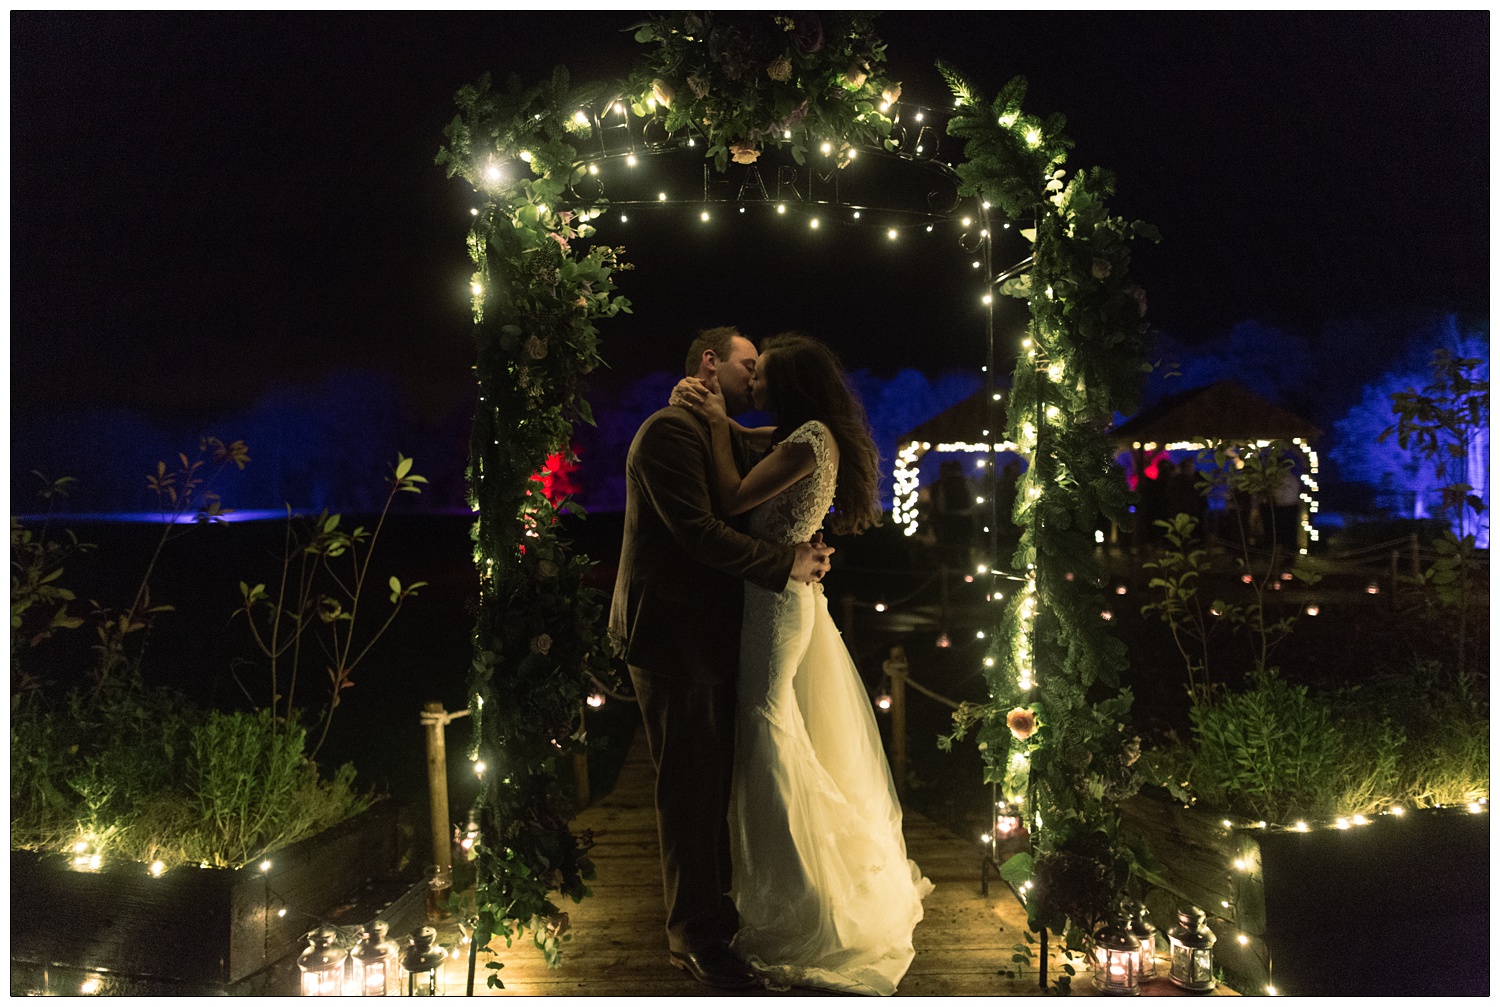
{"points": [[963, 428], [1225, 411]]}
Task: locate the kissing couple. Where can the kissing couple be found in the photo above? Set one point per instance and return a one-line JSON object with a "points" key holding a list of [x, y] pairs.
{"points": [[782, 857]]}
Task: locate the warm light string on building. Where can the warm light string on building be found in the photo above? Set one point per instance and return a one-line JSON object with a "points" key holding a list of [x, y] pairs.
{"points": [[1308, 478]]}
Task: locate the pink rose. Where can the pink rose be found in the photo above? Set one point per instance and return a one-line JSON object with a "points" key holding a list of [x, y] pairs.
{"points": [[699, 86], [662, 92], [855, 76], [780, 69], [536, 348], [892, 94], [1102, 269], [541, 644], [1022, 723], [1140, 300]]}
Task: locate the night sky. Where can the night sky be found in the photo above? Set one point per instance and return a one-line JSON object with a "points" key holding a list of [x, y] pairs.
{"points": [[206, 206]]}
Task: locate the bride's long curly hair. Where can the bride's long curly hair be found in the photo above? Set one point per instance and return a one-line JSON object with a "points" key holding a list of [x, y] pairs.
{"points": [[805, 381]]}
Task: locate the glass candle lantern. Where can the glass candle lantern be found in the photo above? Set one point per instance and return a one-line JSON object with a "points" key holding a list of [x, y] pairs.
{"points": [[1192, 951], [1007, 820], [422, 964], [373, 963], [1144, 932], [322, 964], [1117, 958]]}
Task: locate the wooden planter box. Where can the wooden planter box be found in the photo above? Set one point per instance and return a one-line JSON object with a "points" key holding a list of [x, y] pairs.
{"points": [[1399, 906], [201, 930]]}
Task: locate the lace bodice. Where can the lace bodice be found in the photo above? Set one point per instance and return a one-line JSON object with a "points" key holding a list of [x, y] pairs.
{"points": [[794, 514]]}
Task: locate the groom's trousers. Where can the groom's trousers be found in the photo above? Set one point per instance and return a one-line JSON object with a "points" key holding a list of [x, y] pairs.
{"points": [[689, 725]]}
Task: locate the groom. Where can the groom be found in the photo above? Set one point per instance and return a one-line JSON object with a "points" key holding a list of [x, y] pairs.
{"points": [[676, 617]]}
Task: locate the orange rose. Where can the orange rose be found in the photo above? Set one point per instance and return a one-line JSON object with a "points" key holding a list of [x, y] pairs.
{"points": [[744, 153], [1022, 723]]}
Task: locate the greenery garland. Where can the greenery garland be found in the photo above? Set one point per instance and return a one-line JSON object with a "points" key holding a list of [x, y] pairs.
{"points": [[538, 637], [745, 81], [1054, 729]]}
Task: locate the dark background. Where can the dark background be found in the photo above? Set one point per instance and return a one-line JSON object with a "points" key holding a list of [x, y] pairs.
{"points": [[205, 207]]}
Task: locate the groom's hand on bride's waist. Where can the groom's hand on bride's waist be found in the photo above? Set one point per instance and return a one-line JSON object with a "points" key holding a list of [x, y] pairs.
{"points": [[811, 560]]}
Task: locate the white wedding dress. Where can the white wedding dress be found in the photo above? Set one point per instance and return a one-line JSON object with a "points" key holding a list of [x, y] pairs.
{"points": [[825, 893]]}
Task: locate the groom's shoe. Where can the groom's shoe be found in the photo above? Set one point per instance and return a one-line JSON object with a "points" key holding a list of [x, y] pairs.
{"points": [[717, 967]]}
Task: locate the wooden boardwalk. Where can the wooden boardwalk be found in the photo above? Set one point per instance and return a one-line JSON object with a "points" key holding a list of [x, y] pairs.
{"points": [[619, 942]]}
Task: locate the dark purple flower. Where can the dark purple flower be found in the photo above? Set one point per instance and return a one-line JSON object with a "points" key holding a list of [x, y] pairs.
{"points": [[808, 36]]}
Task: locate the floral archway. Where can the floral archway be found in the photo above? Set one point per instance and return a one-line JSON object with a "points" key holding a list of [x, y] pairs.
{"points": [[742, 86]]}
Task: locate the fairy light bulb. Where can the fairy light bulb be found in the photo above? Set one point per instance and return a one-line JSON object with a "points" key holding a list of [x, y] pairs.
{"points": [[1008, 119], [619, 109], [852, 153], [786, 134], [780, 207], [526, 156], [157, 868], [477, 289], [827, 148], [581, 118], [988, 299], [703, 216], [493, 173], [967, 221], [813, 223], [891, 234], [1033, 136], [479, 767], [593, 169], [630, 160]]}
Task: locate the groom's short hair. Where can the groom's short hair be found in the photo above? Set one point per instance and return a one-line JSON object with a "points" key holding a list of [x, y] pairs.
{"points": [[720, 340]]}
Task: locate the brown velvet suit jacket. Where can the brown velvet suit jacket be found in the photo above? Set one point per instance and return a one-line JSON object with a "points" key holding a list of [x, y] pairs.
{"points": [[679, 594]]}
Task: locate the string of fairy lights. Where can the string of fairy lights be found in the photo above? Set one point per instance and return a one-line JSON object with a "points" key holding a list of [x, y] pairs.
{"points": [[624, 143]]}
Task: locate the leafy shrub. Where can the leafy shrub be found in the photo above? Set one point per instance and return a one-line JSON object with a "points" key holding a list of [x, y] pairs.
{"points": [[130, 772], [1277, 751]]}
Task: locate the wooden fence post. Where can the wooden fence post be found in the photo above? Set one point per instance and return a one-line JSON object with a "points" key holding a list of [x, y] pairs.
{"points": [[434, 719], [581, 763], [897, 669], [848, 628], [943, 597]]}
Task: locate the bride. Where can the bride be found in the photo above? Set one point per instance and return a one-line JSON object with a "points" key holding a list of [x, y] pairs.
{"points": [[825, 893]]}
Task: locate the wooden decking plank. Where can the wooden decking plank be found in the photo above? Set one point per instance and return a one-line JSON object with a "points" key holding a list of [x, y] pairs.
{"points": [[619, 946]]}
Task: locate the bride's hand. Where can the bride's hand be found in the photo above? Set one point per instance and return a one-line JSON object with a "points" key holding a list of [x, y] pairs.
{"points": [[703, 400], [688, 393]]}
